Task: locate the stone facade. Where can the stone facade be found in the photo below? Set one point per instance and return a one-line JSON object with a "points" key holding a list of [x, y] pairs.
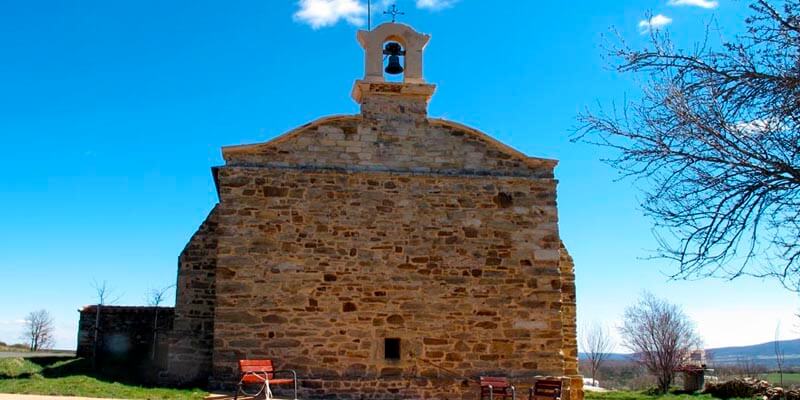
{"points": [[381, 255], [134, 337], [192, 340]]}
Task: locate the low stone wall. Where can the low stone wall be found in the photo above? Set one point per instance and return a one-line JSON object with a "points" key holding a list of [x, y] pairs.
{"points": [[133, 337]]}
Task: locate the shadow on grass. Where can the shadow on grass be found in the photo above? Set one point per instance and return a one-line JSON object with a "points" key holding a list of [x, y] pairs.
{"points": [[62, 367], [681, 392], [47, 367]]}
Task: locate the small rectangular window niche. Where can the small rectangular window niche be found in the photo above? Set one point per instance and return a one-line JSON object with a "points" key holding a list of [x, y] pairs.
{"points": [[391, 349]]}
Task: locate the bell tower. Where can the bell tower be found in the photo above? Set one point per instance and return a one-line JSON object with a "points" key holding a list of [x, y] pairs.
{"points": [[394, 41]]}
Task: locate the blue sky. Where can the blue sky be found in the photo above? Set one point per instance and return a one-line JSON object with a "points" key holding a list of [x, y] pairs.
{"points": [[112, 113]]}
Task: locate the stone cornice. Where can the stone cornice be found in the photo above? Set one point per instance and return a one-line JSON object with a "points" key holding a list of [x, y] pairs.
{"points": [[386, 171], [363, 89]]}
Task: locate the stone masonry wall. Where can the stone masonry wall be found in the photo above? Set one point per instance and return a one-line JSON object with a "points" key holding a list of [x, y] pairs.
{"points": [[126, 337], [352, 230], [350, 143], [192, 340], [570, 326], [568, 314], [316, 268]]}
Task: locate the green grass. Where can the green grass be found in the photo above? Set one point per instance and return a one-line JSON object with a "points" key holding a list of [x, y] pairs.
{"points": [[789, 378], [72, 377], [14, 367]]}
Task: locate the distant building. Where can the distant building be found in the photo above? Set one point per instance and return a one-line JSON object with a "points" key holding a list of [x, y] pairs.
{"points": [[693, 371], [697, 358]]}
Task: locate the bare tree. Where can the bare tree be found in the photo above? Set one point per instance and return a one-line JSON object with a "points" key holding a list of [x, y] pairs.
{"points": [[714, 141], [660, 336], [779, 354], [105, 295], [39, 330], [597, 346], [155, 297], [748, 368]]}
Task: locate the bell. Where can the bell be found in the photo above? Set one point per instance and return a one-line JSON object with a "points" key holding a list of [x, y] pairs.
{"points": [[394, 51], [394, 67]]}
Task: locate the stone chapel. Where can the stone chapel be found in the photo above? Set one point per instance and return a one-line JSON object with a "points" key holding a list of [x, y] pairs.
{"points": [[382, 255]]}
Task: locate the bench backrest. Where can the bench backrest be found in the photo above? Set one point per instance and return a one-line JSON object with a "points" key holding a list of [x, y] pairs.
{"points": [[497, 382], [256, 366], [547, 389]]}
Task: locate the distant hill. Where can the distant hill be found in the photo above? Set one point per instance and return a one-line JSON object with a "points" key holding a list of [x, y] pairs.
{"points": [[763, 354], [612, 357]]}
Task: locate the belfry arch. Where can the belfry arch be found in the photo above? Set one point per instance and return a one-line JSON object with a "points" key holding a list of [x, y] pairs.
{"points": [[412, 42]]}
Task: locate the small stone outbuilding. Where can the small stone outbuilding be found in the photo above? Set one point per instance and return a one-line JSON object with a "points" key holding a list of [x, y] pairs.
{"points": [[381, 255]]}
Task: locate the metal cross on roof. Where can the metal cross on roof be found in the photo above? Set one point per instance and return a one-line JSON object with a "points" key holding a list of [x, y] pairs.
{"points": [[394, 12]]}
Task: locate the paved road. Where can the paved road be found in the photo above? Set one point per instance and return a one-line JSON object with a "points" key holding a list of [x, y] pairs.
{"points": [[25, 354]]}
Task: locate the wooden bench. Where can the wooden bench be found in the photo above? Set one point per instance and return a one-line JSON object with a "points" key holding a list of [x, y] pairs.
{"points": [[261, 373], [498, 386], [545, 389]]}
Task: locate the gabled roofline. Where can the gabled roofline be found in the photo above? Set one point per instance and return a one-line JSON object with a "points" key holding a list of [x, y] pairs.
{"points": [[246, 148], [494, 142], [500, 146]]}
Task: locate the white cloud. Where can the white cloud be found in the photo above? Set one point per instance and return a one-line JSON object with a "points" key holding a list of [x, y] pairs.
{"points": [[322, 13], [758, 127], [435, 4], [655, 22], [708, 4], [754, 127]]}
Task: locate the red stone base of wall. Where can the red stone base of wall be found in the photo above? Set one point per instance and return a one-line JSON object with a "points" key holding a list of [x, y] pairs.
{"points": [[409, 389]]}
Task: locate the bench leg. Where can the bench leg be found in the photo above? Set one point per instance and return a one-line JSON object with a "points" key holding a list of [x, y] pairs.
{"points": [[264, 389], [295, 384]]}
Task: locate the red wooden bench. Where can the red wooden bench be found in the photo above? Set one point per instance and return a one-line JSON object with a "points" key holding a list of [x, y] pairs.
{"points": [[545, 389], [260, 373], [497, 386]]}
